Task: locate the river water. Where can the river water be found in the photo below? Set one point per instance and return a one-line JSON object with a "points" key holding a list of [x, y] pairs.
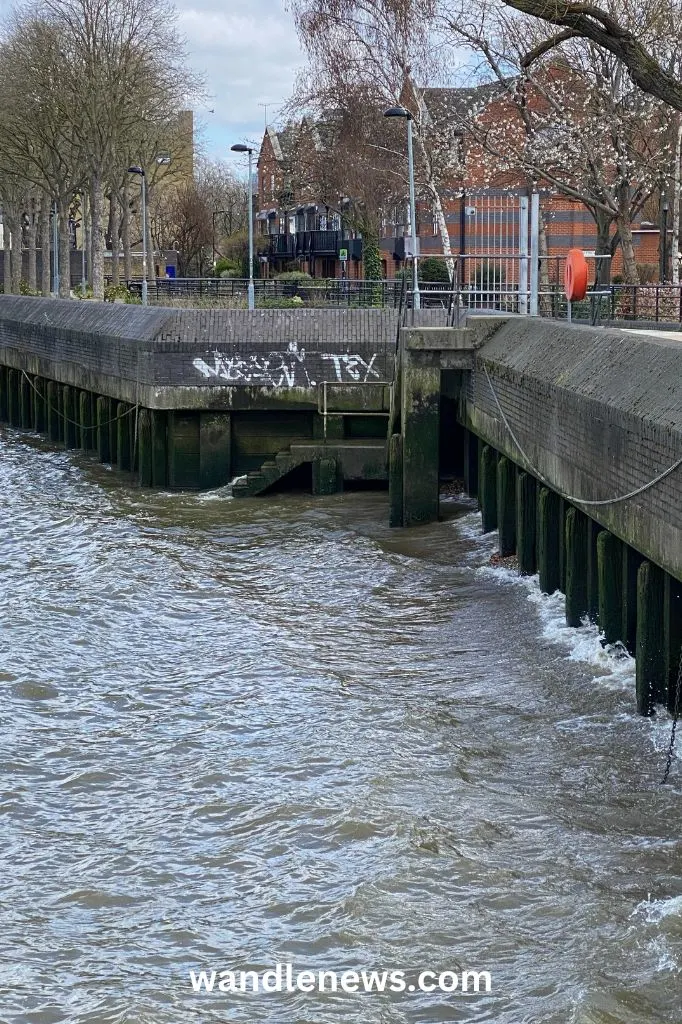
{"points": [[242, 733]]}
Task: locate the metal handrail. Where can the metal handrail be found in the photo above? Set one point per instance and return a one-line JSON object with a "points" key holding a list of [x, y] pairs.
{"points": [[322, 404]]}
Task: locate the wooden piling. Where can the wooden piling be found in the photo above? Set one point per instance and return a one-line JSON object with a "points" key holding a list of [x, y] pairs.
{"points": [[103, 433], [651, 660], [71, 437], [610, 586], [576, 567], [471, 463], [549, 540], [672, 633], [39, 405], [25, 402], [526, 523], [144, 445], [593, 531], [631, 563], [13, 389], [159, 447], [395, 480], [52, 411], [487, 484], [506, 506], [123, 435]]}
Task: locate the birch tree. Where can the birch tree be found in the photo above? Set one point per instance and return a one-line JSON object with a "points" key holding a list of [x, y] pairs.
{"points": [[374, 45]]}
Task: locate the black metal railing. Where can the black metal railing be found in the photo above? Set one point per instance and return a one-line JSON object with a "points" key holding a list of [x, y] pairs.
{"points": [[651, 303]]}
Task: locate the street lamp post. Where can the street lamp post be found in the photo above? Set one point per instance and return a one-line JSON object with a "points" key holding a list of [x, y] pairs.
{"points": [[83, 270], [402, 112], [239, 147], [140, 171]]}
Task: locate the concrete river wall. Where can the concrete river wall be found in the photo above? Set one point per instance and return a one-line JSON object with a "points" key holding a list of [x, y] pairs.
{"points": [[570, 437]]}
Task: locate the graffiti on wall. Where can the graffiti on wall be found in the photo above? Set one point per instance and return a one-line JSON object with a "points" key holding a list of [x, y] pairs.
{"points": [[288, 368]]}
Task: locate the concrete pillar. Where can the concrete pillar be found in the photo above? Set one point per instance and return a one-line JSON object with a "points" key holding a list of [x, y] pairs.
{"points": [[159, 454], [3, 394], [69, 416], [549, 540], [325, 473], [39, 405], [25, 402], [672, 629], [506, 506], [593, 531], [52, 411], [395, 480], [420, 417], [103, 414], [526, 523], [215, 449], [123, 435], [631, 563], [13, 389], [144, 447], [576, 567], [487, 488], [610, 577], [651, 659], [471, 460]]}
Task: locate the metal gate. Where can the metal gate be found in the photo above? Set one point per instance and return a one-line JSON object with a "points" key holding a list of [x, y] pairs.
{"points": [[497, 267]]}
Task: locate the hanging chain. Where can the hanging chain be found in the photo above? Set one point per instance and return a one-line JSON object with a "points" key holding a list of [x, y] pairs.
{"points": [[676, 715]]}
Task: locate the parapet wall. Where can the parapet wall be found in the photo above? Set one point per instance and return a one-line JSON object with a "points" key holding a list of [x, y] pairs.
{"points": [[598, 413], [166, 358]]}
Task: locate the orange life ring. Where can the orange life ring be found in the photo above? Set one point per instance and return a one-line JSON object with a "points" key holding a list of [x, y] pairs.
{"points": [[575, 275]]}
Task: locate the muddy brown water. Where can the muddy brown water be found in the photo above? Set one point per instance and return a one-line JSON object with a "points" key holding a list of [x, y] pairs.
{"points": [[242, 733]]}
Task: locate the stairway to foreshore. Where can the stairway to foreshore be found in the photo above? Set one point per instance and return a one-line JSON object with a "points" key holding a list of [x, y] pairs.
{"points": [[355, 461]]}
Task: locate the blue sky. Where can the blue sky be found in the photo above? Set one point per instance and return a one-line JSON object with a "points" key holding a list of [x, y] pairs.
{"points": [[249, 54]]}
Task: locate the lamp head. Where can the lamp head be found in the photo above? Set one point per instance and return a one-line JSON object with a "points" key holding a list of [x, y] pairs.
{"points": [[239, 147], [136, 170], [397, 111]]}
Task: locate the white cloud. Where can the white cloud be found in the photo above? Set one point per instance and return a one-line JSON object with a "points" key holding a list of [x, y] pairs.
{"points": [[248, 52]]}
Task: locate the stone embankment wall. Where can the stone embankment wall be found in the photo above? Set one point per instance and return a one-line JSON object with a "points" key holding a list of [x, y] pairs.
{"points": [[598, 413]]}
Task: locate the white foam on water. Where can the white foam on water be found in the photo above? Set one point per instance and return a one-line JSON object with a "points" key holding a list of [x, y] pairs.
{"points": [[614, 668], [655, 911]]}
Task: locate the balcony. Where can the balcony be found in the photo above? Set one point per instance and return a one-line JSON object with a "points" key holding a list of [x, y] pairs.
{"points": [[303, 243]]}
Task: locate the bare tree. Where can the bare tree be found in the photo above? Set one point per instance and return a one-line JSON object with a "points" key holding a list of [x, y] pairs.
{"points": [[610, 31]]}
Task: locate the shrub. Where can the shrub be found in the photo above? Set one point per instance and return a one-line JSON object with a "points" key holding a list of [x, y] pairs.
{"points": [[119, 291], [434, 271], [648, 273], [83, 293], [227, 268], [293, 302], [296, 276], [25, 290]]}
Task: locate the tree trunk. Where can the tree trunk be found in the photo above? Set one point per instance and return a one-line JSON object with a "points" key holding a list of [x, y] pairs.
{"points": [[7, 256], [14, 223], [675, 252], [437, 208], [97, 229], [64, 250], [603, 222], [125, 233], [45, 244], [630, 272], [31, 234], [151, 263], [115, 222]]}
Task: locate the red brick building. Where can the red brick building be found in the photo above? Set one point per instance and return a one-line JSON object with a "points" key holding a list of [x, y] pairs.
{"points": [[480, 202]]}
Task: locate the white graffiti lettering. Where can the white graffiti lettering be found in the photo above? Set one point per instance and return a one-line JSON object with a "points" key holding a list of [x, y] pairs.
{"points": [[284, 369]]}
